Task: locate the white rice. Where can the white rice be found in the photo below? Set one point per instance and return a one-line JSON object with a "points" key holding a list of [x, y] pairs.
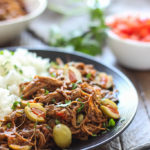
{"points": [[16, 68]]}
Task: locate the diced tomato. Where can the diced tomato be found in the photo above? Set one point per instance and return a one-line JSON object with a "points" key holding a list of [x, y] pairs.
{"points": [[130, 27], [72, 76], [61, 114], [38, 112]]}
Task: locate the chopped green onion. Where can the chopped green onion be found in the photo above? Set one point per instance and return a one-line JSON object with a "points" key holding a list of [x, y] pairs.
{"points": [[12, 52], [1, 52], [46, 92], [15, 104], [28, 104], [88, 76], [94, 134], [57, 121], [8, 125], [111, 123], [53, 75], [81, 107], [74, 86]]}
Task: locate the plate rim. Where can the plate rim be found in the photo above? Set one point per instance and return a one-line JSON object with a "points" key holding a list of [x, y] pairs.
{"points": [[110, 67]]}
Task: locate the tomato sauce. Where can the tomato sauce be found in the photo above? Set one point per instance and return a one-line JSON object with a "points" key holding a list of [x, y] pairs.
{"points": [[132, 27]]}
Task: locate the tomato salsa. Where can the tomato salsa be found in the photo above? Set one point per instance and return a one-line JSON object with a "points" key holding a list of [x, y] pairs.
{"points": [[131, 27]]}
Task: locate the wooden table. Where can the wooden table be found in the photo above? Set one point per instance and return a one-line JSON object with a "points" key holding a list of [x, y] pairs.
{"points": [[139, 131]]}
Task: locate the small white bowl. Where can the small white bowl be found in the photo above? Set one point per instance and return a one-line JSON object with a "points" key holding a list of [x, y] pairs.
{"points": [[131, 54], [9, 29]]}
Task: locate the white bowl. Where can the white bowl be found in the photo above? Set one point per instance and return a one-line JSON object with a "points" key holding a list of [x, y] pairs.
{"points": [[11, 28], [129, 53]]}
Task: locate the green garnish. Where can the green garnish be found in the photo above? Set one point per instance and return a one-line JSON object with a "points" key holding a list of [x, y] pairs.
{"points": [[18, 69], [53, 100], [12, 52], [81, 107], [94, 134], [15, 104], [74, 86], [67, 103], [54, 64], [8, 125], [111, 123], [88, 76], [88, 40], [1, 52], [57, 121], [46, 92], [28, 104], [53, 75]]}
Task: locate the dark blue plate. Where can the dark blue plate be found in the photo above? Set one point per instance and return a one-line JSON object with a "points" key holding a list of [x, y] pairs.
{"points": [[128, 99]]}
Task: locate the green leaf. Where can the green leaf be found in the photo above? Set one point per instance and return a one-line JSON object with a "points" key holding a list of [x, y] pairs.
{"points": [[8, 125], [1, 52], [12, 52], [53, 75], [57, 121], [28, 104], [74, 86], [111, 123], [46, 92], [94, 134], [81, 106], [88, 76], [15, 104]]}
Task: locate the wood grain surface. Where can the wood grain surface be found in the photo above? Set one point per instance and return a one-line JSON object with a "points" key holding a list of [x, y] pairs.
{"points": [[139, 131]]}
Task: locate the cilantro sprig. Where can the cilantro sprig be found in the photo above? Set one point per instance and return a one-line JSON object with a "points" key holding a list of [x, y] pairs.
{"points": [[88, 41]]}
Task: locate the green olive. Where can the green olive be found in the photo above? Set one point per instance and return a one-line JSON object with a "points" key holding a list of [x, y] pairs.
{"points": [[35, 112], [18, 147], [62, 136], [80, 118], [110, 112], [109, 102]]}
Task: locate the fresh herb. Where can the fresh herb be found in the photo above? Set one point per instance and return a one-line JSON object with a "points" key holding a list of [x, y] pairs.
{"points": [[57, 121], [15, 104], [81, 106], [94, 134], [53, 100], [46, 92], [8, 125], [1, 52], [74, 86], [54, 64], [111, 123], [88, 76], [67, 103], [18, 69], [12, 52], [88, 41], [53, 75], [28, 104]]}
